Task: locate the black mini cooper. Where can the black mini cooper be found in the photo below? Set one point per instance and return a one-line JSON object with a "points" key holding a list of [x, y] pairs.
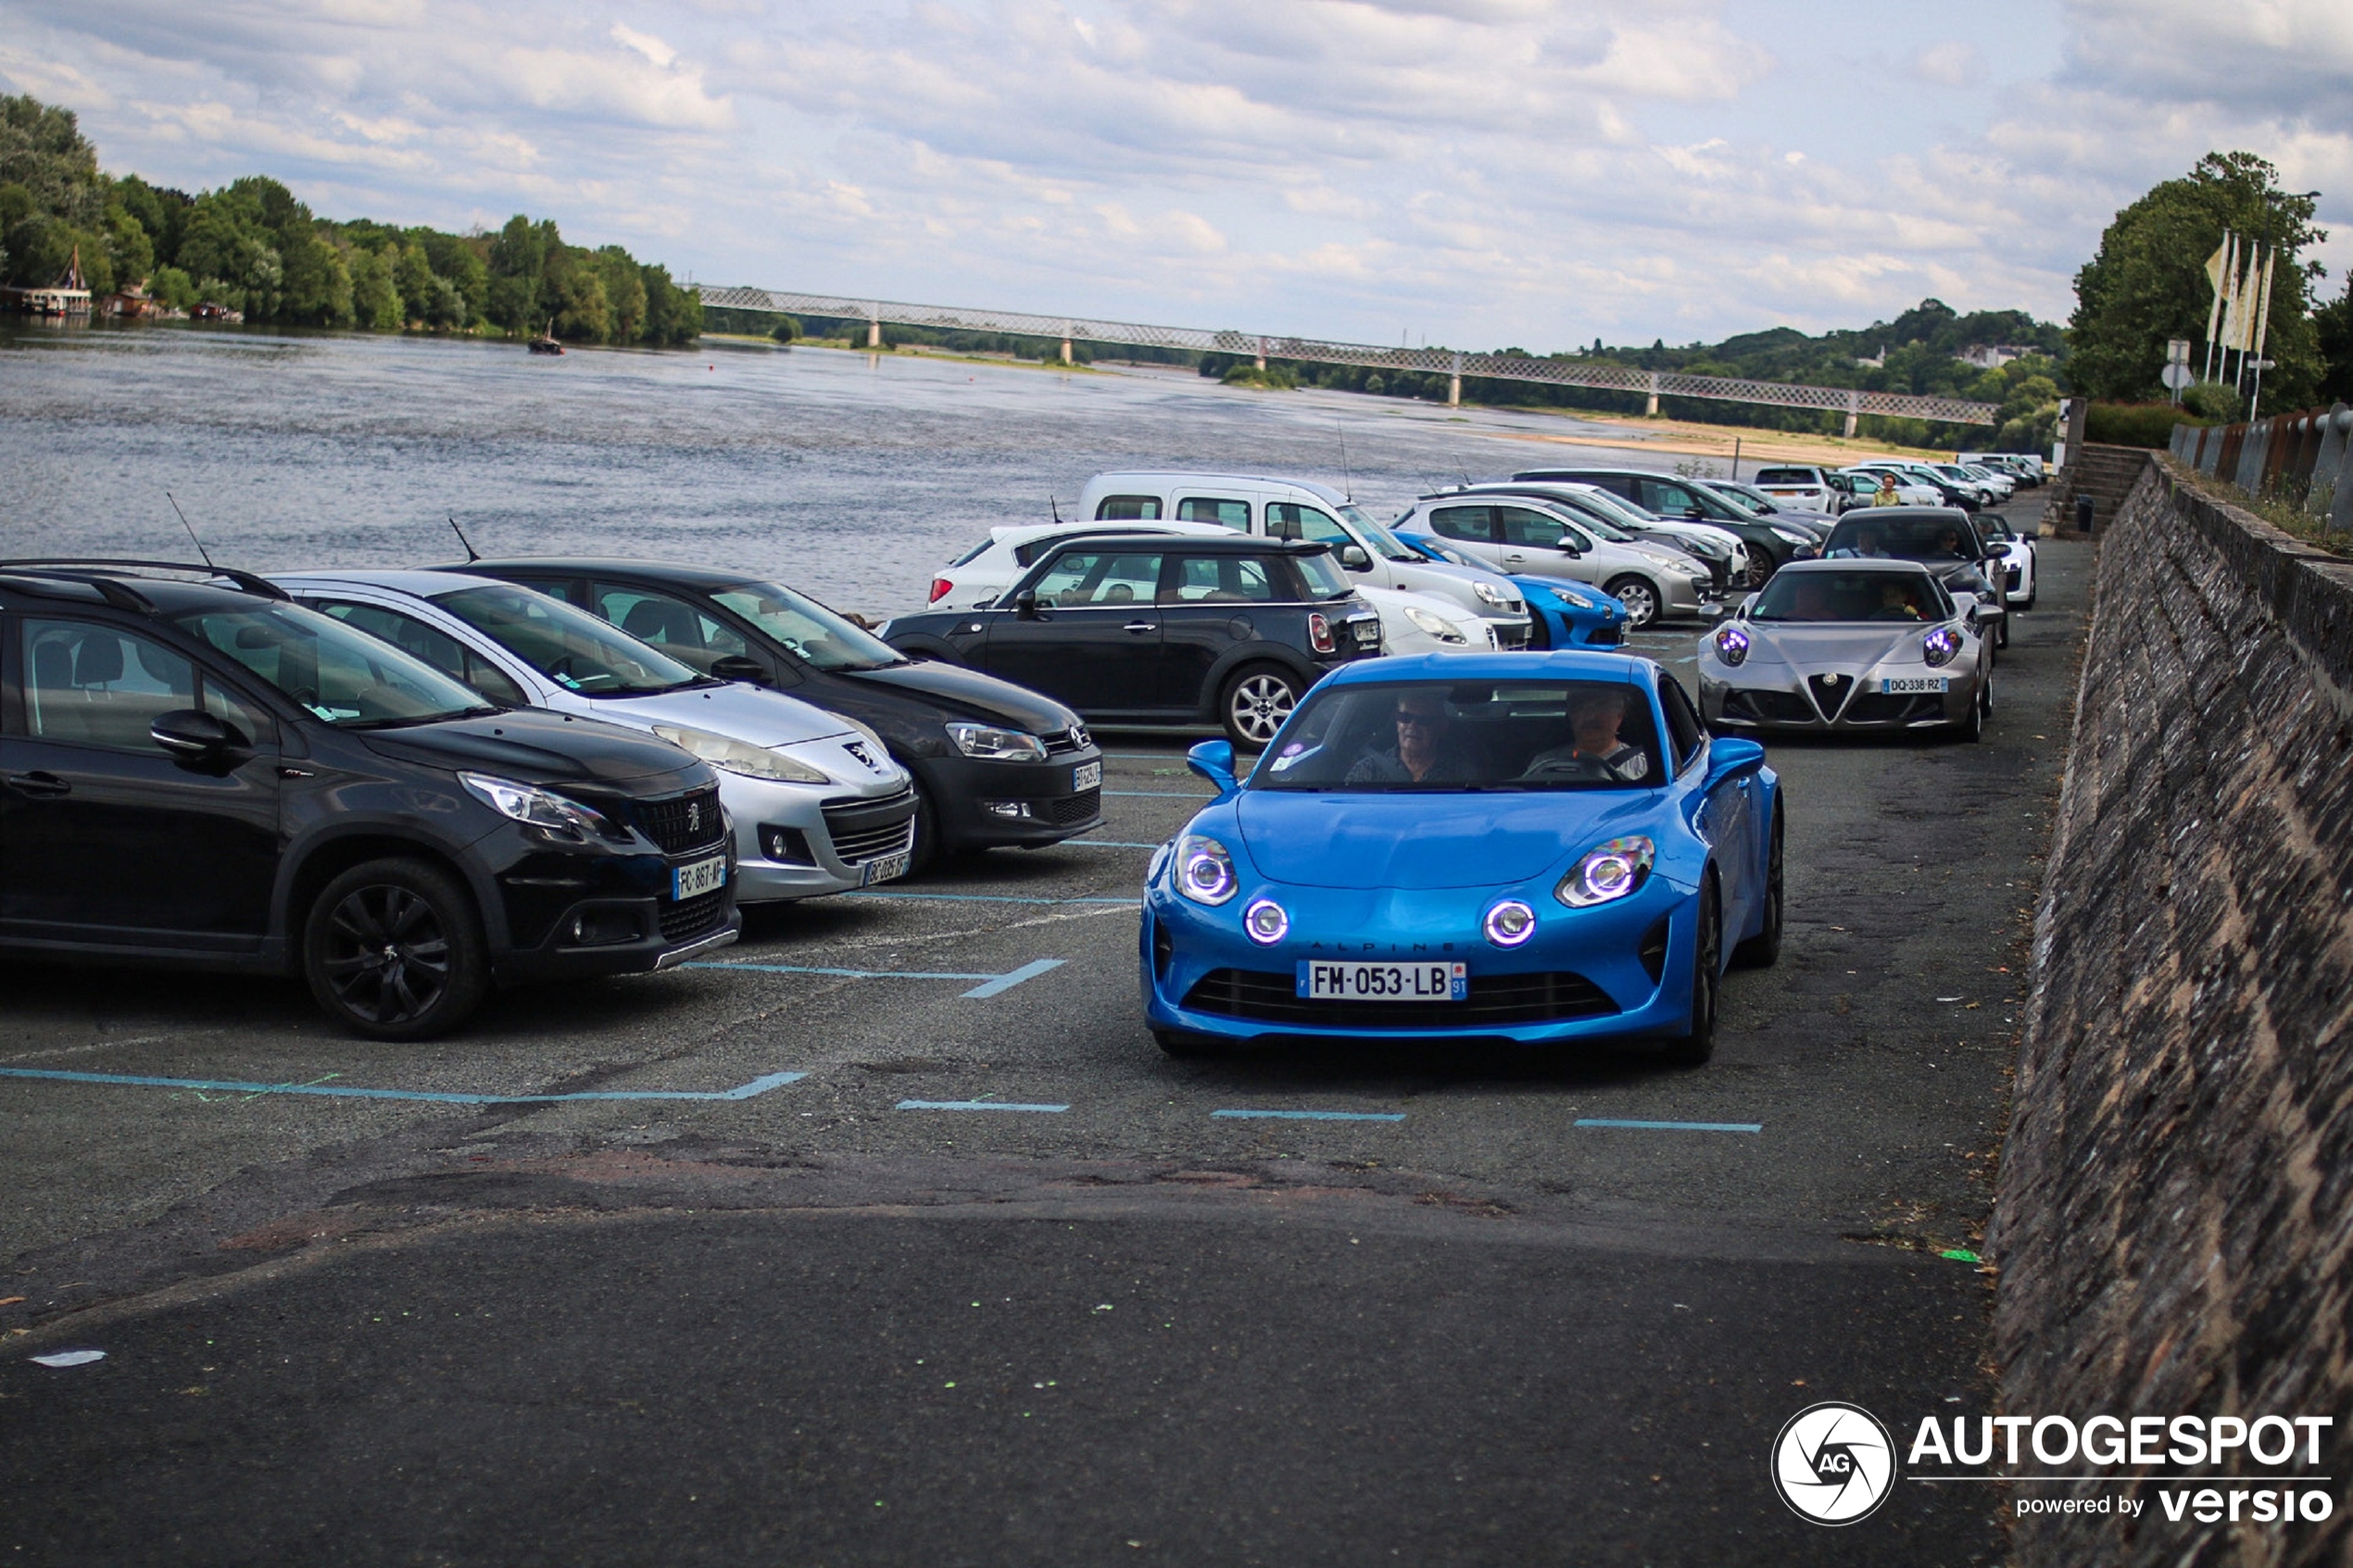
{"points": [[211, 776], [1160, 629], [994, 764]]}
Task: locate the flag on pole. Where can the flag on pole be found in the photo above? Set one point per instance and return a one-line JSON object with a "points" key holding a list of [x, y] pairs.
{"points": [[2263, 311], [2233, 294], [2217, 267]]}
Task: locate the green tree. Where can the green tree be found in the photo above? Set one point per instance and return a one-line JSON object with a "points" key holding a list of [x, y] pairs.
{"points": [[129, 251], [43, 149], [2147, 282], [376, 299], [624, 286], [412, 274]]}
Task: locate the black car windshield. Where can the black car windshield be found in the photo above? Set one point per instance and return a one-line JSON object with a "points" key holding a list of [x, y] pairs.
{"points": [[1325, 580], [1907, 538], [570, 646], [814, 633], [1899, 595], [1785, 476], [336, 671], [1465, 735]]}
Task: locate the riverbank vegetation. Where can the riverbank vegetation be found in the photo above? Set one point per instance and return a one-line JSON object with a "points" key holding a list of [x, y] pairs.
{"points": [[252, 247]]}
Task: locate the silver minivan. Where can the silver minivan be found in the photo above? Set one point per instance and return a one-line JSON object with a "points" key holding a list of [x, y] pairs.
{"points": [[1298, 508]]}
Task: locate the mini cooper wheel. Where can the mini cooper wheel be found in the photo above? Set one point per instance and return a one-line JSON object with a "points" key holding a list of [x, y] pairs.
{"points": [[1760, 951], [1256, 702], [1639, 597], [394, 950], [1693, 1048]]}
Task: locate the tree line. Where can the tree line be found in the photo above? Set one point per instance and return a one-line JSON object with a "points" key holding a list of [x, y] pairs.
{"points": [[253, 248]]}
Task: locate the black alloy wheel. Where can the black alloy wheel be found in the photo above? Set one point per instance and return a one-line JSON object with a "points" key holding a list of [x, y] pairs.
{"points": [[1257, 699], [1973, 727], [1760, 566], [394, 950], [1693, 1048], [1760, 951]]}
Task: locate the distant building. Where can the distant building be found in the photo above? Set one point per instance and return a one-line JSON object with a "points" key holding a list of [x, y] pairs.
{"points": [[1876, 362], [1991, 356], [70, 295]]}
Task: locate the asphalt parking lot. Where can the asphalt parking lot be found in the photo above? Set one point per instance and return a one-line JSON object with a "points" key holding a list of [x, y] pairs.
{"points": [[887, 1236]]}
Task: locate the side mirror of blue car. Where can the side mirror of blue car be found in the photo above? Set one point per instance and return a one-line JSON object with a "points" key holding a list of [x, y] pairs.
{"points": [[1728, 755], [1213, 760]]}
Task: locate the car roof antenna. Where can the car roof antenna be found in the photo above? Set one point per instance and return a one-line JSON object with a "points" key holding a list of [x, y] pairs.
{"points": [[1347, 480], [1459, 468], [192, 532], [471, 555], [1054, 506]]}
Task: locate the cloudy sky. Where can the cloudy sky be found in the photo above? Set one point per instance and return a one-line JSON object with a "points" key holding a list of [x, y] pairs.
{"points": [[1475, 172]]}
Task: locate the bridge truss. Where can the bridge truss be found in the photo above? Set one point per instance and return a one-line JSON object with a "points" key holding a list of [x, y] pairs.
{"points": [[1653, 384]]}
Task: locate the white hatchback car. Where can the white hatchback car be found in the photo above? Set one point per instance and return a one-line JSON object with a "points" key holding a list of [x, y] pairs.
{"points": [[818, 804], [1523, 534], [1805, 489]]}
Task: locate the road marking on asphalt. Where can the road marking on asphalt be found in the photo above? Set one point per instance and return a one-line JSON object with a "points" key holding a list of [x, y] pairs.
{"points": [[1161, 794], [1106, 844], [760, 1085], [1311, 1115], [975, 1105], [993, 898], [1672, 1126], [993, 985]]}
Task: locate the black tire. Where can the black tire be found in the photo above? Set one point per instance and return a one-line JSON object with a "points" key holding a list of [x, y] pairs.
{"points": [[924, 847], [1973, 728], [1761, 950], [1188, 1047], [2002, 633], [394, 950], [1761, 567], [1693, 1048], [1639, 596], [1255, 702]]}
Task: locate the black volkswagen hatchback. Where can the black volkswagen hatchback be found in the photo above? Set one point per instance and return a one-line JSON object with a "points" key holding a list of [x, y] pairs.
{"points": [[209, 776], [994, 764], [1165, 629]]}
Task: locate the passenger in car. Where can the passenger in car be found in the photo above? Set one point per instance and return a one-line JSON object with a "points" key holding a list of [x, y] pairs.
{"points": [[1422, 754], [1599, 751]]}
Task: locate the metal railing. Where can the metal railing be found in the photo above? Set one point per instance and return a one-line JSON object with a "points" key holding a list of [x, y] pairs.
{"points": [[2302, 459], [1653, 384]]}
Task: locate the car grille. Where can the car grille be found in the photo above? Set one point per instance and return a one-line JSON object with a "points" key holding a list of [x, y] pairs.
{"points": [[692, 917], [868, 830], [1771, 708], [682, 822], [1062, 743], [1893, 707], [1071, 810], [1831, 692], [1511, 638], [1541, 997]]}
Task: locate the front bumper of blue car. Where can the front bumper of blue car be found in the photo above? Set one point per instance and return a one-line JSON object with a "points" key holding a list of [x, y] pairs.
{"points": [[1616, 970]]}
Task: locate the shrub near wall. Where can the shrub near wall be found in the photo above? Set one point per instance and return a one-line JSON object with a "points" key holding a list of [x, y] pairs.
{"points": [[2135, 424]]}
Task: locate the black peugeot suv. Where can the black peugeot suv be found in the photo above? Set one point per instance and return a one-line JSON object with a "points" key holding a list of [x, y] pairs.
{"points": [[210, 776], [1163, 629]]}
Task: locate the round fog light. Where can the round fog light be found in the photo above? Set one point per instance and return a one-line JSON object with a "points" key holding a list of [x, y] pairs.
{"points": [[1266, 922], [1510, 923]]}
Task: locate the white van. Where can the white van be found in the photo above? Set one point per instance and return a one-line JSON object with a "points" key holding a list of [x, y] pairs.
{"points": [[1298, 508]]}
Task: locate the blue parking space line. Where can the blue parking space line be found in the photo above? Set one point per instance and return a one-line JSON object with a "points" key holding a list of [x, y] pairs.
{"points": [[1161, 794], [760, 1085], [998, 985], [1671, 1126], [991, 898], [844, 973], [976, 1105], [1106, 844], [1311, 1115]]}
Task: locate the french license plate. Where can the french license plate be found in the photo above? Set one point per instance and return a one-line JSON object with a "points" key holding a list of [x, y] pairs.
{"points": [[702, 877], [884, 870], [1365, 631], [1086, 775], [1320, 981], [1901, 685]]}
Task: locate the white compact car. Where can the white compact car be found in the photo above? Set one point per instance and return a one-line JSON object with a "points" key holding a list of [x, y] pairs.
{"points": [[1410, 623], [1298, 508], [1803, 489], [818, 805], [1523, 534], [1620, 521], [1909, 490]]}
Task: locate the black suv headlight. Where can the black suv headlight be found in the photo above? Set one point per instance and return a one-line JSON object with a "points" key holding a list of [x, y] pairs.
{"points": [[989, 744], [555, 815]]}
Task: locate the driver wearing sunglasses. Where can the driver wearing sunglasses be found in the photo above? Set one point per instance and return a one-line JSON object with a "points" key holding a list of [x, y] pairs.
{"points": [[1421, 754]]}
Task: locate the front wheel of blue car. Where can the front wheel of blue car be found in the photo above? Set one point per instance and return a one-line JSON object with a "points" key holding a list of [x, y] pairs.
{"points": [[1693, 1048], [1760, 951]]}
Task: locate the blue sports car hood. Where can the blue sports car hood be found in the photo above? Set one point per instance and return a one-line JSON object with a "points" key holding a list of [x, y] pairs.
{"points": [[1415, 842]]}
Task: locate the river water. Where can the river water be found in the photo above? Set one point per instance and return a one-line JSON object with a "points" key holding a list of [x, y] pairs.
{"points": [[848, 475]]}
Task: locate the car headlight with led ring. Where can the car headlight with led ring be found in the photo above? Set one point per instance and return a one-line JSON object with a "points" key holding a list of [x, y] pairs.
{"points": [[1938, 645], [1607, 873], [1266, 922], [1204, 871], [1509, 923], [1731, 644]]}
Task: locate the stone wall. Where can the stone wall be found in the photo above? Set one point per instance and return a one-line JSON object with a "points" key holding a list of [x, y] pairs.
{"points": [[2175, 1221]]}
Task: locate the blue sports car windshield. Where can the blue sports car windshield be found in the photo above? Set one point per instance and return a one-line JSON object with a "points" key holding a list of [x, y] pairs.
{"points": [[1438, 736]]}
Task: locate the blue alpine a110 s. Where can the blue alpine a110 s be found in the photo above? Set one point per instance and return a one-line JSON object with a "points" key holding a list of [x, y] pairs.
{"points": [[1536, 847]]}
